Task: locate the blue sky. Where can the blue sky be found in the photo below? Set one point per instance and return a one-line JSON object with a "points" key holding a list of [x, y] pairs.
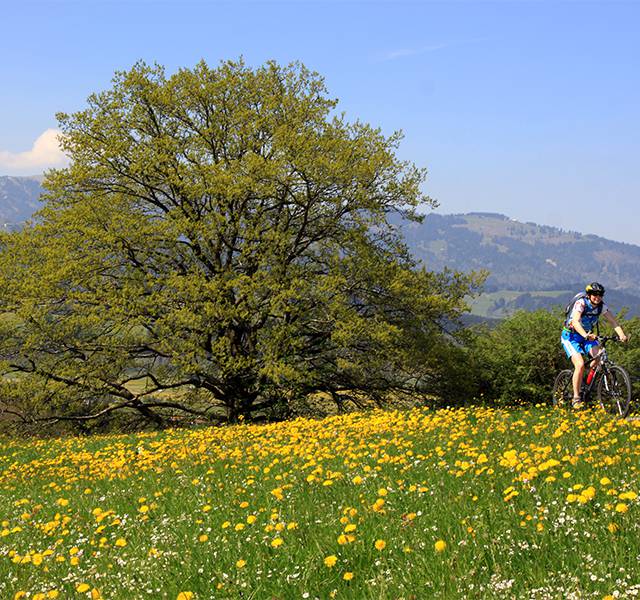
{"points": [[531, 109]]}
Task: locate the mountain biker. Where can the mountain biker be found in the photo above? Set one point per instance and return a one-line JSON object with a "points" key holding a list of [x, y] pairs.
{"points": [[577, 334]]}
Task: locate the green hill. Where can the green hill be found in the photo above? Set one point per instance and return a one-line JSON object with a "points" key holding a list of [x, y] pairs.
{"points": [[531, 266]]}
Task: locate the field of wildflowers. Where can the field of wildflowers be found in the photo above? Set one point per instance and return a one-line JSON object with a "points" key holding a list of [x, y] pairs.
{"points": [[454, 503]]}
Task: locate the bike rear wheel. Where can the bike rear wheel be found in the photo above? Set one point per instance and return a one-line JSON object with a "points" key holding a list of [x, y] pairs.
{"points": [[563, 389], [614, 391]]}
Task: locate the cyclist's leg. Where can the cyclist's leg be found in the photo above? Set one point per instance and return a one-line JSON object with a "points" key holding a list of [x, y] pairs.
{"points": [[593, 349], [573, 349], [578, 371]]}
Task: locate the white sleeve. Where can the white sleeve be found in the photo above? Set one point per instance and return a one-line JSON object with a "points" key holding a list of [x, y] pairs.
{"points": [[578, 309]]}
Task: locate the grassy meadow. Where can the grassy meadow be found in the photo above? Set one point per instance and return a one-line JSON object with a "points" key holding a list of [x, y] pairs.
{"points": [[455, 503]]}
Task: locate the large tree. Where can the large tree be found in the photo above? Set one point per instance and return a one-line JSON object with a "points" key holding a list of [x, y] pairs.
{"points": [[220, 234]]}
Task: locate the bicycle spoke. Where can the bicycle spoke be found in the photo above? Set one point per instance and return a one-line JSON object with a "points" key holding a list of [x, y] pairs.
{"points": [[614, 391]]}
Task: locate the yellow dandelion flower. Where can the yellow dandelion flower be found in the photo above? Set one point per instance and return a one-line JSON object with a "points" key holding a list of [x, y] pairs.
{"points": [[612, 527], [380, 545], [348, 576], [81, 588], [440, 546], [95, 594], [241, 563], [357, 480], [121, 542], [251, 519], [277, 542], [53, 594], [185, 596], [331, 560], [378, 504], [621, 507], [203, 538]]}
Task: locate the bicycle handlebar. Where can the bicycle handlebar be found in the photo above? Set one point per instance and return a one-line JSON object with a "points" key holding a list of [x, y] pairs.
{"points": [[603, 339]]}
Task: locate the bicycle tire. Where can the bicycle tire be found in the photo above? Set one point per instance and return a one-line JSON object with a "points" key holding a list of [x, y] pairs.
{"points": [[614, 391], [563, 389]]}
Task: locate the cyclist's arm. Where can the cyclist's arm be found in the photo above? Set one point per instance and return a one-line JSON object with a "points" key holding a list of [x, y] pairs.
{"points": [[616, 326]]}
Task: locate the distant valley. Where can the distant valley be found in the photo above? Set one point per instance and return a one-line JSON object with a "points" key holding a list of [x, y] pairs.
{"points": [[531, 266]]}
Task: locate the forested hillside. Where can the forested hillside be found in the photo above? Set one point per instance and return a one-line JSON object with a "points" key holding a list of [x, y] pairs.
{"points": [[530, 266], [522, 256], [18, 199]]}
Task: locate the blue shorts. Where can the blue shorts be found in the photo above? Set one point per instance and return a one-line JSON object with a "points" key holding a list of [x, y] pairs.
{"points": [[574, 343]]}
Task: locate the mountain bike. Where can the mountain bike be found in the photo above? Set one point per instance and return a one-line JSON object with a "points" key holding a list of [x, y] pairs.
{"points": [[610, 382]]}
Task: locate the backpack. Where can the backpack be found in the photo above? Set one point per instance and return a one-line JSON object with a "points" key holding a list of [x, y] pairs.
{"points": [[569, 308]]}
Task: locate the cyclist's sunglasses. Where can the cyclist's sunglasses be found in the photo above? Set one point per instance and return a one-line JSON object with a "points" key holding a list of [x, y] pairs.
{"points": [[596, 294]]}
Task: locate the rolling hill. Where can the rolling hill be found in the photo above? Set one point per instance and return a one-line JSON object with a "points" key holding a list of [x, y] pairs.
{"points": [[531, 266]]}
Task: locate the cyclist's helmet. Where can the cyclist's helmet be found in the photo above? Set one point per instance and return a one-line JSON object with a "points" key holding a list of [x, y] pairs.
{"points": [[595, 288]]}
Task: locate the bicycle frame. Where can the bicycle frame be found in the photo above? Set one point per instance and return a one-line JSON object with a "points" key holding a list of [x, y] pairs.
{"points": [[603, 378], [603, 362]]}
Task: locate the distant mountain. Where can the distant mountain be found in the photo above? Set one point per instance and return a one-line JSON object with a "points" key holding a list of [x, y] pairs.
{"points": [[18, 199], [530, 265]]}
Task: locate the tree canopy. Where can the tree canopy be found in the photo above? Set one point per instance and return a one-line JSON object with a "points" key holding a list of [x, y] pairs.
{"points": [[220, 241]]}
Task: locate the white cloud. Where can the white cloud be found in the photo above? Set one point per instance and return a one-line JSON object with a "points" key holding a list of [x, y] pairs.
{"points": [[405, 52], [412, 51], [44, 154]]}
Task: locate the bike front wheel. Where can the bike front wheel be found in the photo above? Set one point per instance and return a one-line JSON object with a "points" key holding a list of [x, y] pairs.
{"points": [[614, 391], [563, 389]]}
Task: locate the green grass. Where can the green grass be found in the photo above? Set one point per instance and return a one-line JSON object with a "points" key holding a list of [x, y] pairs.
{"points": [[484, 305], [530, 504]]}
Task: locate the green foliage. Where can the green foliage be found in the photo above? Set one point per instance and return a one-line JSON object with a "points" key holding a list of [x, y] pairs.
{"points": [[519, 358], [221, 231]]}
